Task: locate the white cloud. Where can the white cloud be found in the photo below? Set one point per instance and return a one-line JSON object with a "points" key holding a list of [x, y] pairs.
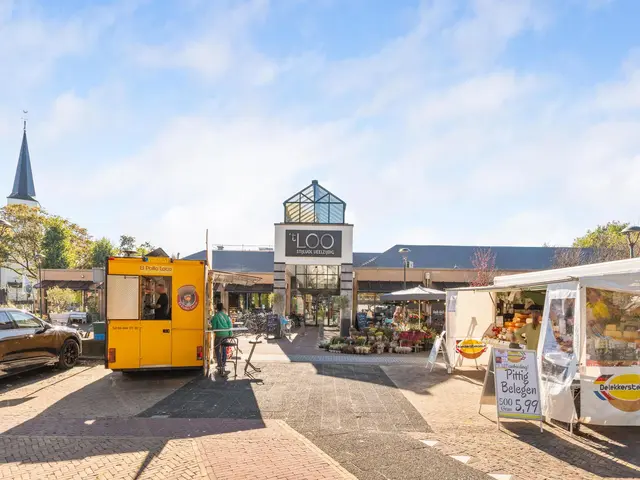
{"points": [[429, 140], [217, 46]]}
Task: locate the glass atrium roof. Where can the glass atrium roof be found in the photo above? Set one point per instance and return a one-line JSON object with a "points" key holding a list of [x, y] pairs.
{"points": [[314, 204]]}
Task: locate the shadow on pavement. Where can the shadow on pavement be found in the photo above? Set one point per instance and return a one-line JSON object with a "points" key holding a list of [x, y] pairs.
{"points": [[100, 418], [623, 443]]}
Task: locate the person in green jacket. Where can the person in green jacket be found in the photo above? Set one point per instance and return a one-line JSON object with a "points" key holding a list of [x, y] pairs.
{"points": [[221, 321], [530, 333]]}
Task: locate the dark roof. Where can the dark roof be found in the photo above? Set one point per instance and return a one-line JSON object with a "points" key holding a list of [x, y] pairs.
{"points": [[360, 258], [422, 256], [23, 187], [238, 260], [158, 252], [460, 257]]}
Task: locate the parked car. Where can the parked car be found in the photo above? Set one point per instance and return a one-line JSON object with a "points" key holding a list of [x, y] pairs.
{"points": [[27, 342]]}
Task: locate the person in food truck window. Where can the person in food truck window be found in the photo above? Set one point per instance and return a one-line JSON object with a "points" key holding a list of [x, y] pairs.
{"points": [[221, 322], [161, 307], [530, 333]]}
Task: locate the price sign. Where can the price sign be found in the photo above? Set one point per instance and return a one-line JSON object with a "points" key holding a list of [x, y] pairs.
{"points": [[363, 321], [516, 384]]}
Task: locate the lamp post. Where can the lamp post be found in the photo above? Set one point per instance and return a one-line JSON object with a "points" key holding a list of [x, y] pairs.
{"points": [[404, 252], [38, 258], [633, 235]]}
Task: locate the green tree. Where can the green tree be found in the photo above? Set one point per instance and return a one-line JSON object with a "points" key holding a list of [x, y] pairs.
{"points": [[60, 299], [607, 242], [145, 248], [57, 248], [127, 243], [604, 243], [20, 244], [101, 250]]}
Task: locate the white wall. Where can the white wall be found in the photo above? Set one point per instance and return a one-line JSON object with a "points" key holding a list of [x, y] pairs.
{"points": [[280, 240], [475, 311]]}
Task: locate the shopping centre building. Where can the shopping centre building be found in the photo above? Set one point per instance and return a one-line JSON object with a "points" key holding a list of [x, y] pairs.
{"points": [[312, 264]]}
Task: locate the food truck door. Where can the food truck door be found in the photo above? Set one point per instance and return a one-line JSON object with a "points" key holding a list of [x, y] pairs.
{"points": [[155, 343]]}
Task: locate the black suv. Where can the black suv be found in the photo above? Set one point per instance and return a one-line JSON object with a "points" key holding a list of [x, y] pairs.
{"points": [[28, 342]]}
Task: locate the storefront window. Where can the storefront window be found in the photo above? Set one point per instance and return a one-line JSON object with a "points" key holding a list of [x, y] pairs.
{"points": [[317, 277], [613, 328]]}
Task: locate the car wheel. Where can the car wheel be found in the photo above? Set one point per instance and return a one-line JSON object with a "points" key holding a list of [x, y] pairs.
{"points": [[69, 354]]}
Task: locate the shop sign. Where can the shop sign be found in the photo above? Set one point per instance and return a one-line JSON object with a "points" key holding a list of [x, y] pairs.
{"points": [[516, 384], [470, 348], [313, 243], [621, 391]]}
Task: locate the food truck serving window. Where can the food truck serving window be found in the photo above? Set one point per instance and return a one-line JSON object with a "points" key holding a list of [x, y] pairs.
{"points": [[613, 323], [155, 300]]}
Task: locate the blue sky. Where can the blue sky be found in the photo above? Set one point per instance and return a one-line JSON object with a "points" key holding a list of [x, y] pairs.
{"points": [[438, 122]]}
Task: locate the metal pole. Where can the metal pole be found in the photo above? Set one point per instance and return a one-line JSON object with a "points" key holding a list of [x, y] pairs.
{"points": [[404, 265]]}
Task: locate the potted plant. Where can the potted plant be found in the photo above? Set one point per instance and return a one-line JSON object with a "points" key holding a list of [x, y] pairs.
{"points": [[379, 347]]}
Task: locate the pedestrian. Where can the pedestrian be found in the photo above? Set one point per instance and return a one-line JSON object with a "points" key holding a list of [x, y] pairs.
{"points": [[530, 333], [222, 322]]}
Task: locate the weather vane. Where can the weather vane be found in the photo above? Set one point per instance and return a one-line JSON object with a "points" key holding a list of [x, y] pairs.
{"points": [[24, 118]]}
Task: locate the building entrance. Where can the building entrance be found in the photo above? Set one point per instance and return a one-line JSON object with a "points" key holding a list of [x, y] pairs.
{"points": [[320, 309], [313, 259]]}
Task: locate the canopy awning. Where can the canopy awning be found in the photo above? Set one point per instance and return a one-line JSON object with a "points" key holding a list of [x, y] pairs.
{"points": [[233, 278], [418, 293], [78, 285]]}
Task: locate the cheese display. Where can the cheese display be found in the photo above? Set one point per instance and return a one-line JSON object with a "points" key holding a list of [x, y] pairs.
{"points": [[613, 329]]}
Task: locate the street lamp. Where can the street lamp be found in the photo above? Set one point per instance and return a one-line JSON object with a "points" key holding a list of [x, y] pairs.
{"points": [[404, 252], [38, 259], [633, 235]]}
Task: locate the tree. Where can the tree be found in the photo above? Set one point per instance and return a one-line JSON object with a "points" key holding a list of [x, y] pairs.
{"points": [[19, 244], [101, 250], [484, 265], [145, 248], [605, 243], [57, 249], [127, 243], [60, 299]]}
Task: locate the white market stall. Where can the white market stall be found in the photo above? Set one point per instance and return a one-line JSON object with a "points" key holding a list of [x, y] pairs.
{"points": [[589, 347], [416, 294]]}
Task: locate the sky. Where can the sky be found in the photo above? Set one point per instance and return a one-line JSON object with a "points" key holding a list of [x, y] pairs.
{"points": [[473, 122]]}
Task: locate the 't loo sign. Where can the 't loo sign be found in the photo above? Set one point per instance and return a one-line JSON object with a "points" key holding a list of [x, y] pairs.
{"points": [[313, 243]]}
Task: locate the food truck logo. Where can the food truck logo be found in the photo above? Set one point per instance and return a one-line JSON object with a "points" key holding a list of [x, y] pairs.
{"points": [[471, 348], [621, 391], [187, 298]]}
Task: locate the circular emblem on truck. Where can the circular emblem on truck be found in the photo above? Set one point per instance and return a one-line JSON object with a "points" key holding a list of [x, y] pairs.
{"points": [[621, 391], [187, 298]]}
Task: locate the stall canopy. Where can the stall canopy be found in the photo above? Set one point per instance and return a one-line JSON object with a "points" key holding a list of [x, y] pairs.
{"points": [[418, 293]]}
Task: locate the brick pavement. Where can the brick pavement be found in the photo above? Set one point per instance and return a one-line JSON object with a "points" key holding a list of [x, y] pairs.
{"points": [[354, 413], [78, 424], [451, 405]]}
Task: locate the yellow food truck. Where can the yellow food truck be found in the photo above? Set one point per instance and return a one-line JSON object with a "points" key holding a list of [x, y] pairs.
{"points": [[156, 313]]}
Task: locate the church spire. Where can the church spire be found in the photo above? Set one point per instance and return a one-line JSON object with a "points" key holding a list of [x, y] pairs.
{"points": [[23, 188]]}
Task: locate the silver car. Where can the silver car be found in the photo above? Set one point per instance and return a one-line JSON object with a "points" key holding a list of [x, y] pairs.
{"points": [[28, 342]]}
